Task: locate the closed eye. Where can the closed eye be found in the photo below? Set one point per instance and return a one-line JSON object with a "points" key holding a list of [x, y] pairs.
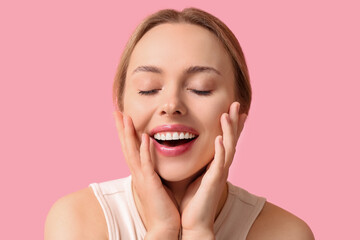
{"points": [[154, 91], [202, 93], [149, 92]]}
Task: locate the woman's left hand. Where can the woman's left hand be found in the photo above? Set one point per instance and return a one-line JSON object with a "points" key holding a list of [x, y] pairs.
{"points": [[199, 206]]}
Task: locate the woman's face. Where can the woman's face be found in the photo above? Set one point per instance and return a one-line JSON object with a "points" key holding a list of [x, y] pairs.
{"points": [[179, 81]]}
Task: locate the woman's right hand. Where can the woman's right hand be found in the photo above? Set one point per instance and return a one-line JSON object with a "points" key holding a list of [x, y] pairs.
{"points": [[155, 203]]}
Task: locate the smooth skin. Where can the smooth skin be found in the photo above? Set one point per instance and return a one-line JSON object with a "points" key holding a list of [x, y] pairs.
{"points": [[181, 56], [189, 191], [196, 212], [79, 215]]}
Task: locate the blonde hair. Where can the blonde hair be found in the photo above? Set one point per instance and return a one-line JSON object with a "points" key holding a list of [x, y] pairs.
{"points": [[196, 17]]}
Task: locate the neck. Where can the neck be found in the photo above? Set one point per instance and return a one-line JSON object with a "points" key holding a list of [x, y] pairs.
{"points": [[179, 189]]}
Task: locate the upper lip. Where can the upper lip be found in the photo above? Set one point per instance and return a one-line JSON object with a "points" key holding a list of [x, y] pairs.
{"points": [[172, 128]]}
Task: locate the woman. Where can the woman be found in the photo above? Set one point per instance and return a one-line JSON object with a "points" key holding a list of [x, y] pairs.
{"points": [[183, 93]]}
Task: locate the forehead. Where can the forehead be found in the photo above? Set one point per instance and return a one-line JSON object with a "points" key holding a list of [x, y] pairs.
{"points": [[179, 45]]}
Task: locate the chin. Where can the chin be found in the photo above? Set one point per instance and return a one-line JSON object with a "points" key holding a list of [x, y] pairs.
{"points": [[173, 171], [173, 177]]}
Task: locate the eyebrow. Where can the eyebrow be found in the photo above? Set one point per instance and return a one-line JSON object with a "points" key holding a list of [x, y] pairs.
{"points": [[190, 70], [147, 69]]}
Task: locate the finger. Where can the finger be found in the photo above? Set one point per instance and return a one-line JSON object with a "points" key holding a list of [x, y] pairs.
{"points": [[234, 115], [228, 139], [119, 121], [132, 150], [216, 169], [145, 157], [215, 175], [219, 158]]}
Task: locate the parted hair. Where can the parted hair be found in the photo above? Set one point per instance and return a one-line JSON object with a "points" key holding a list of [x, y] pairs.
{"points": [[200, 18]]}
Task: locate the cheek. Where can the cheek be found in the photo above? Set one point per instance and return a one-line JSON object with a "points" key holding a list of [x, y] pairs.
{"points": [[213, 110], [211, 114], [140, 113]]}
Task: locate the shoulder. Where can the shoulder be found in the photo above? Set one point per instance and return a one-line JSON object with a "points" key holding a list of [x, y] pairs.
{"points": [[76, 216], [274, 222]]}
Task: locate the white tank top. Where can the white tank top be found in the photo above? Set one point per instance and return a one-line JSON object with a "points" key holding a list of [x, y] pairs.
{"points": [[123, 220]]}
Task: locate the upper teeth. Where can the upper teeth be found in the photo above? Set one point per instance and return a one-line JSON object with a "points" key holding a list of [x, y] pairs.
{"points": [[173, 135]]}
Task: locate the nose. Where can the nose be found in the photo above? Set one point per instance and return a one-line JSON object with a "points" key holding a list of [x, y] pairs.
{"points": [[172, 104]]}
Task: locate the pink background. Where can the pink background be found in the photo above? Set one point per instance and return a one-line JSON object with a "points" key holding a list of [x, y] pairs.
{"points": [[300, 147]]}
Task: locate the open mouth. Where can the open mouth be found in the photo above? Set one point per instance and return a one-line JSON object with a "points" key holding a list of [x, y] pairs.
{"points": [[173, 139], [174, 143]]}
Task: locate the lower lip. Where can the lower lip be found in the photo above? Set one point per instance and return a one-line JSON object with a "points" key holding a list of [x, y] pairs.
{"points": [[173, 151]]}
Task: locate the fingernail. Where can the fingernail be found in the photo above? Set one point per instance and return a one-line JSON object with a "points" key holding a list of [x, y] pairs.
{"points": [[238, 107], [221, 140]]}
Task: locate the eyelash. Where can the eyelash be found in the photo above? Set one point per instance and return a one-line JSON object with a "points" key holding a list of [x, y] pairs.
{"points": [[150, 92], [198, 92], [202, 93]]}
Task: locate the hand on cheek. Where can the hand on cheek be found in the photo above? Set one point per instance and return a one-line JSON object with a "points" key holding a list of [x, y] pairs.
{"points": [[200, 203], [154, 202]]}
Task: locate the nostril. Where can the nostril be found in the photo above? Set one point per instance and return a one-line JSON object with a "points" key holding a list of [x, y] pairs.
{"points": [[177, 112], [173, 108]]}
